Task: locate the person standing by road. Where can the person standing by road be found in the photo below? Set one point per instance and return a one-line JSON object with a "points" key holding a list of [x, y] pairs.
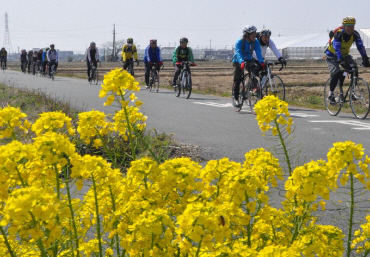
{"points": [[92, 58], [182, 53], [337, 52], [244, 48], [152, 56]]}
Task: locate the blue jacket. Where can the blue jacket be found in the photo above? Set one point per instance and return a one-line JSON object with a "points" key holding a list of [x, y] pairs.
{"points": [[152, 55], [44, 56], [240, 55]]}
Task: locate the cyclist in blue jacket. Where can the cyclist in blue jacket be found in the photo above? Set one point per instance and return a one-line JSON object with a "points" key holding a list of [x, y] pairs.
{"points": [[244, 48], [152, 56]]}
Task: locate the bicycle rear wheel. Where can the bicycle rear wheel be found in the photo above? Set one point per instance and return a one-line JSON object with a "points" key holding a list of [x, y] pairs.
{"points": [[360, 98], [277, 87], [187, 86], [254, 93], [238, 107], [333, 108]]}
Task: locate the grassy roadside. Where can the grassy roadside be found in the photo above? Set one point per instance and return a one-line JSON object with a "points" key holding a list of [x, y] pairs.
{"points": [[35, 102]]}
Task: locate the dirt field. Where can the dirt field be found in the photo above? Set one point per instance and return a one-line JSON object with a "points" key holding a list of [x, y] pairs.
{"points": [[304, 80]]}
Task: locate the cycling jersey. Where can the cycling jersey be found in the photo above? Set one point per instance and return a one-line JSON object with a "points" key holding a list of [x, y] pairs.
{"points": [[152, 54], [3, 53], [52, 55], [30, 54], [341, 44], [182, 55], [34, 57], [92, 54], [128, 52], [23, 57], [245, 52], [270, 45]]}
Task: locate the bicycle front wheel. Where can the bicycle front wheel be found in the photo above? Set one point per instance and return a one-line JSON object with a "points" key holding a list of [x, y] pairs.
{"points": [[332, 107], [156, 82], [96, 77], [254, 93], [178, 88], [277, 87], [150, 87], [187, 86], [360, 98]]}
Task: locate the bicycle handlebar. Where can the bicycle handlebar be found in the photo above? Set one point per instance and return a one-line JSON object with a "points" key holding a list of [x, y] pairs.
{"points": [[186, 63], [282, 65]]}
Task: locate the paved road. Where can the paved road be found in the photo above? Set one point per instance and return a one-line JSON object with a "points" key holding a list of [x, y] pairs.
{"points": [[209, 121]]}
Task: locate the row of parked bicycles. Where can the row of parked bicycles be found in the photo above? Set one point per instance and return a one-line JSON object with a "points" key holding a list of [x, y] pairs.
{"points": [[37, 69]]}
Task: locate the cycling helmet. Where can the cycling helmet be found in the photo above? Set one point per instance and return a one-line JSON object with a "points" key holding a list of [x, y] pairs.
{"points": [[3, 48], [47, 49], [41, 50], [184, 40], [130, 40], [265, 32], [153, 41], [349, 20], [249, 29], [92, 44], [52, 45]]}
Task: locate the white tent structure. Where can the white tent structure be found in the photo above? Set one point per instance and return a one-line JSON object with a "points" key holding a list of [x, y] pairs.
{"points": [[311, 46]]}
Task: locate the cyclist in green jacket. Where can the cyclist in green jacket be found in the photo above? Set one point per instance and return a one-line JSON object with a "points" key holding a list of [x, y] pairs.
{"points": [[182, 53]]}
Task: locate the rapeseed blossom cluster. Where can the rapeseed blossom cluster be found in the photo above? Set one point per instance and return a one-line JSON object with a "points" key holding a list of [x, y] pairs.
{"points": [[57, 202], [10, 119], [273, 110]]}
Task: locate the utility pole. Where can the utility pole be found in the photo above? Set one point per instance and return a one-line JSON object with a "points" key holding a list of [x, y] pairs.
{"points": [[210, 44], [114, 44]]}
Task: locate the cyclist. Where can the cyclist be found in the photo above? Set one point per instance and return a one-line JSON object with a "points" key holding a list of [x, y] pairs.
{"points": [[266, 42], [3, 56], [92, 58], [52, 55], [39, 58], [182, 53], [44, 60], [23, 59], [29, 57], [34, 58], [129, 50], [152, 55], [337, 52], [244, 48]]}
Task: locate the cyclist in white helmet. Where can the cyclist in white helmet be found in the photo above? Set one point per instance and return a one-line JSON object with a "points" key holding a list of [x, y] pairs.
{"points": [[266, 42], [244, 49]]}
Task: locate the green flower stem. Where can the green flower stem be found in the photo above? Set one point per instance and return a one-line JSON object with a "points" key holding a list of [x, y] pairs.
{"points": [[107, 149], [249, 227], [58, 182], [10, 250], [284, 147], [20, 178], [39, 241], [97, 217], [130, 134], [72, 213], [116, 222], [350, 221], [199, 245]]}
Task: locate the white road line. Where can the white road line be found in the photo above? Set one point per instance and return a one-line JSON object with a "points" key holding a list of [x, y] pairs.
{"points": [[215, 104], [303, 115], [358, 125]]}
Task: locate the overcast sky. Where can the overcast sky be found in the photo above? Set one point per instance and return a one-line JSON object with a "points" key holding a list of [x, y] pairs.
{"points": [[73, 24]]}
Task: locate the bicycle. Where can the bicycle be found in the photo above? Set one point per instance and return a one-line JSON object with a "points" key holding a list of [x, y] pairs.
{"points": [[34, 68], [154, 78], [24, 66], [52, 70], [130, 68], [358, 93], [39, 68], [272, 84], [184, 82], [3, 62], [94, 74], [242, 93]]}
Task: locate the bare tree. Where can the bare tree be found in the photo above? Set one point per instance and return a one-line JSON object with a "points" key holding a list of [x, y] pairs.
{"points": [[108, 47]]}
